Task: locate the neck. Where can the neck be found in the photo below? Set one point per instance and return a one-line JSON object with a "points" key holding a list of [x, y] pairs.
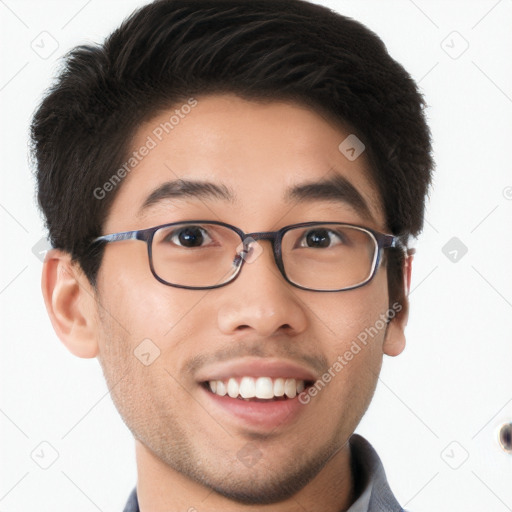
{"points": [[162, 489]]}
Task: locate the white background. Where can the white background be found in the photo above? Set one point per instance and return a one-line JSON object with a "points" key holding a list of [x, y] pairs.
{"points": [[441, 401]]}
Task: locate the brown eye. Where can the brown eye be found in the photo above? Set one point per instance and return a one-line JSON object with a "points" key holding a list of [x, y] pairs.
{"points": [[320, 239], [189, 236]]}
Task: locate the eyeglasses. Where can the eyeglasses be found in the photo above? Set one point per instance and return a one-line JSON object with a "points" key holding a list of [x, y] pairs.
{"points": [[316, 256]]}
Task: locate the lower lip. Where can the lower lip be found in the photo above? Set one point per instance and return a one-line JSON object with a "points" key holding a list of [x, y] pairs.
{"points": [[264, 415]]}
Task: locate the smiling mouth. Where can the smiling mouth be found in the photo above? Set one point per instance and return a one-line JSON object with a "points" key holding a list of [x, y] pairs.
{"points": [[260, 389]]}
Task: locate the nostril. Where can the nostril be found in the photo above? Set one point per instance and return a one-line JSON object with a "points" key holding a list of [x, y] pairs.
{"points": [[285, 328]]}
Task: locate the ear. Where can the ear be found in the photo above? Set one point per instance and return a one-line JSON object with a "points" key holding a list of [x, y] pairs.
{"points": [[69, 300], [394, 341]]}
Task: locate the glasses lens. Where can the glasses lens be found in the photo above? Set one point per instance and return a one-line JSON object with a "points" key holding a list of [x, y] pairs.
{"points": [[328, 256], [195, 255]]}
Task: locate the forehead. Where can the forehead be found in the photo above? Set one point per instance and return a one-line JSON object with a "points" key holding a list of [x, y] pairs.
{"points": [[257, 152]]}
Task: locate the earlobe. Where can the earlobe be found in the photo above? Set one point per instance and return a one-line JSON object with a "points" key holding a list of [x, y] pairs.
{"points": [[69, 298], [394, 341]]}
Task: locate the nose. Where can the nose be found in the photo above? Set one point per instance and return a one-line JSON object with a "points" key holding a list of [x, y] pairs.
{"points": [[260, 300]]}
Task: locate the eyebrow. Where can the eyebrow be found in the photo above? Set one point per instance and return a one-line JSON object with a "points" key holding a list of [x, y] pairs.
{"points": [[336, 188], [186, 188]]}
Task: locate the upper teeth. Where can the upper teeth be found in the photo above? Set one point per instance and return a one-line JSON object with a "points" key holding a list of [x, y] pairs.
{"points": [[262, 387]]}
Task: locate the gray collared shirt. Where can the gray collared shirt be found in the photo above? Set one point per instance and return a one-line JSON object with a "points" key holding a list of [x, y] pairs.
{"points": [[371, 485], [372, 488]]}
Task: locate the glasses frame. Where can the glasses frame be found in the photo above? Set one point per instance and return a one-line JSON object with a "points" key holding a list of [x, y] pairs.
{"points": [[382, 241]]}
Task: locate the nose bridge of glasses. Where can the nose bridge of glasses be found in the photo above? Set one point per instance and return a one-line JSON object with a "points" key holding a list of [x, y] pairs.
{"points": [[251, 238], [250, 249], [261, 235], [271, 236]]}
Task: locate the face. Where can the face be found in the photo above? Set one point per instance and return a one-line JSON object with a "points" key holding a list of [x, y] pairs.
{"points": [[259, 325]]}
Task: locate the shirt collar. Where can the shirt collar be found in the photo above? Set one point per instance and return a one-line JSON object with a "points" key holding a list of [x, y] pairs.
{"points": [[371, 485]]}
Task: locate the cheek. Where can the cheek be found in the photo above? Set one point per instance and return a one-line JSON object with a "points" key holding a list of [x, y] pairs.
{"points": [[142, 306], [351, 331], [146, 331], [353, 315]]}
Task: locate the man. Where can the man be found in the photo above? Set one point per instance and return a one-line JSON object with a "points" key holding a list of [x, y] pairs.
{"points": [[229, 188]]}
